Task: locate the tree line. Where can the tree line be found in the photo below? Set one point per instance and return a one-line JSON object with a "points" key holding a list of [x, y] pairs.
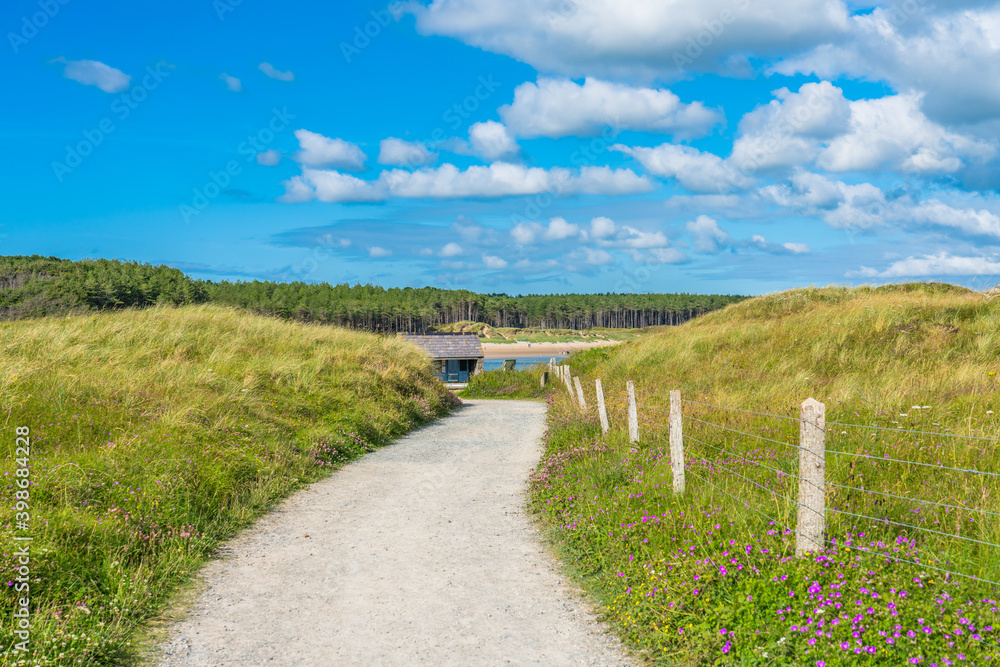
{"points": [[35, 286]]}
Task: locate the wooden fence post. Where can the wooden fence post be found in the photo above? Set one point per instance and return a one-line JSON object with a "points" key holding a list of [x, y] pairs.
{"points": [[565, 377], [579, 394], [676, 441], [601, 410], [633, 416], [545, 378], [812, 471]]}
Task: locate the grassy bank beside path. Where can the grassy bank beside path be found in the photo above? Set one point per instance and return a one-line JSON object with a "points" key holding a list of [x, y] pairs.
{"points": [[155, 435], [911, 551]]}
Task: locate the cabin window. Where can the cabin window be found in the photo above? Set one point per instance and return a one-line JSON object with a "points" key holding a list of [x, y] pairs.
{"points": [[463, 365]]}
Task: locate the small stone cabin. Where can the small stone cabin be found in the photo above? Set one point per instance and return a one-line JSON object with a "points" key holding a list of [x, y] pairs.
{"points": [[457, 356]]}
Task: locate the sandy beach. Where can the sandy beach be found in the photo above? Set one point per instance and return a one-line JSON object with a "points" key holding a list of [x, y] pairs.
{"points": [[514, 350]]}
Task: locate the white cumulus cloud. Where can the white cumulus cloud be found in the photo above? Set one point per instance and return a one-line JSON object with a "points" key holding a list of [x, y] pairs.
{"points": [[500, 179], [559, 229], [707, 235], [560, 107], [269, 158], [626, 38], [494, 262], [697, 171], [232, 83], [271, 71], [95, 73], [491, 140], [402, 153], [949, 51], [941, 264], [319, 151]]}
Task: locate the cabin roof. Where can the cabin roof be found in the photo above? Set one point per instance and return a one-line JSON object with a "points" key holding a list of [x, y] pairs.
{"points": [[447, 346]]}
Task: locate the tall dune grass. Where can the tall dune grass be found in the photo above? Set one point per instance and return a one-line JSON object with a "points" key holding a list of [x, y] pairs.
{"points": [[156, 434], [710, 576]]}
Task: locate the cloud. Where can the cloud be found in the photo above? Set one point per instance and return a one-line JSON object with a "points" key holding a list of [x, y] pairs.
{"points": [[319, 151], [761, 243], [450, 182], [494, 262], [893, 132], [840, 205], [864, 206], [597, 257], [788, 130], [268, 158], [630, 237], [968, 221], [818, 125], [491, 140], [451, 250], [942, 264], [659, 256], [559, 229], [602, 227], [377, 251], [331, 186], [707, 235], [271, 71], [473, 233], [629, 38], [608, 181], [232, 83], [524, 233], [559, 107], [499, 179], [696, 171], [401, 153], [797, 248], [949, 51], [94, 73]]}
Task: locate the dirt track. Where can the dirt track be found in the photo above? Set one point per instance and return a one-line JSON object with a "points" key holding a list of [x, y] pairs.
{"points": [[420, 553]]}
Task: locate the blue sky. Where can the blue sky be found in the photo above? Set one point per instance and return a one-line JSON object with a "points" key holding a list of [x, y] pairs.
{"points": [[548, 146]]}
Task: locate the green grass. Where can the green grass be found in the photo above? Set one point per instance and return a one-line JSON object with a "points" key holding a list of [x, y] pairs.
{"points": [[686, 579], [158, 434], [516, 384]]}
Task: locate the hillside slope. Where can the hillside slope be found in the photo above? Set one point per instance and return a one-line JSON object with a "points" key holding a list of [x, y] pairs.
{"points": [[155, 434], [882, 348], [711, 575]]}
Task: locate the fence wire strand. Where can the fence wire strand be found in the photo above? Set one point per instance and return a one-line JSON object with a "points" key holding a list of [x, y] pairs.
{"points": [[906, 430], [657, 429], [907, 525], [916, 500]]}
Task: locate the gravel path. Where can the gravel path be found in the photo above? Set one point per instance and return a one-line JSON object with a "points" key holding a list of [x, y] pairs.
{"points": [[419, 553]]}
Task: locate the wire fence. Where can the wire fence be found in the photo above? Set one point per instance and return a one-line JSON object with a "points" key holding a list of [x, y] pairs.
{"points": [[708, 446]]}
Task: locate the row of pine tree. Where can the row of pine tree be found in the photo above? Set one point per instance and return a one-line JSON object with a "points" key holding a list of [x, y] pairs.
{"points": [[33, 286]]}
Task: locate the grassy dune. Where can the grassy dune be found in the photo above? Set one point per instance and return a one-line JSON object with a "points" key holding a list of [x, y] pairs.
{"points": [[156, 434], [710, 576]]}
